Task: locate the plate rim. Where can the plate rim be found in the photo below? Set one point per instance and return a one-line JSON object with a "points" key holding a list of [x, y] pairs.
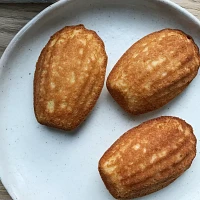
{"points": [[48, 10], [53, 6]]}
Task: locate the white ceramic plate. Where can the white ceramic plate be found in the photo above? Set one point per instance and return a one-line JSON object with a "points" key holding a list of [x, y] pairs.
{"points": [[40, 163]]}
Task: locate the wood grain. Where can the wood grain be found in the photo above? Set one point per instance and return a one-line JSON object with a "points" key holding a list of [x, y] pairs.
{"points": [[14, 16]]}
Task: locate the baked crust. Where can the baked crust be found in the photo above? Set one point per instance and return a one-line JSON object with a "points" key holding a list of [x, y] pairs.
{"points": [[153, 71], [148, 157], [69, 77]]}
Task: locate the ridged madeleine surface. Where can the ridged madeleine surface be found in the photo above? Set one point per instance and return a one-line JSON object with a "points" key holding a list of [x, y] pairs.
{"points": [[69, 77], [154, 71], [148, 157]]}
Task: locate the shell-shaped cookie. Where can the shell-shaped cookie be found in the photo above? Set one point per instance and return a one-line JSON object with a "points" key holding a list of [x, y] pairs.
{"points": [[69, 77], [148, 157], [153, 71]]}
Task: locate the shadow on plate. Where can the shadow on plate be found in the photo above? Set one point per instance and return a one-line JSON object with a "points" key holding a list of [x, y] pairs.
{"points": [[165, 110], [72, 133]]}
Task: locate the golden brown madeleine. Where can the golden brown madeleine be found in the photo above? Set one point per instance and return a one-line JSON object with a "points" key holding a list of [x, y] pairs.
{"points": [[69, 77], [154, 71], [148, 157]]}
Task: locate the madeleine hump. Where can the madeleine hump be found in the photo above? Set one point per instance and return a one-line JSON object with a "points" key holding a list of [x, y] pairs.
{"points": [[148, 157], [69, 77], [153, 71]]}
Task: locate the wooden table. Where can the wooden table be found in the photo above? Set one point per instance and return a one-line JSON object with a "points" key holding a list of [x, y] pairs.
{"points": [[14, 16]]}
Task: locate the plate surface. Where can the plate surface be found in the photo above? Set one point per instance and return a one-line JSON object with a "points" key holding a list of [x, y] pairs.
{"points": [[37, 162]]}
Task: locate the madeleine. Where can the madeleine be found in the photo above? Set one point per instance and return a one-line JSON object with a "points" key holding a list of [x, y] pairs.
{"points": [[69, 77], [154, 71], [148, 157]]}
